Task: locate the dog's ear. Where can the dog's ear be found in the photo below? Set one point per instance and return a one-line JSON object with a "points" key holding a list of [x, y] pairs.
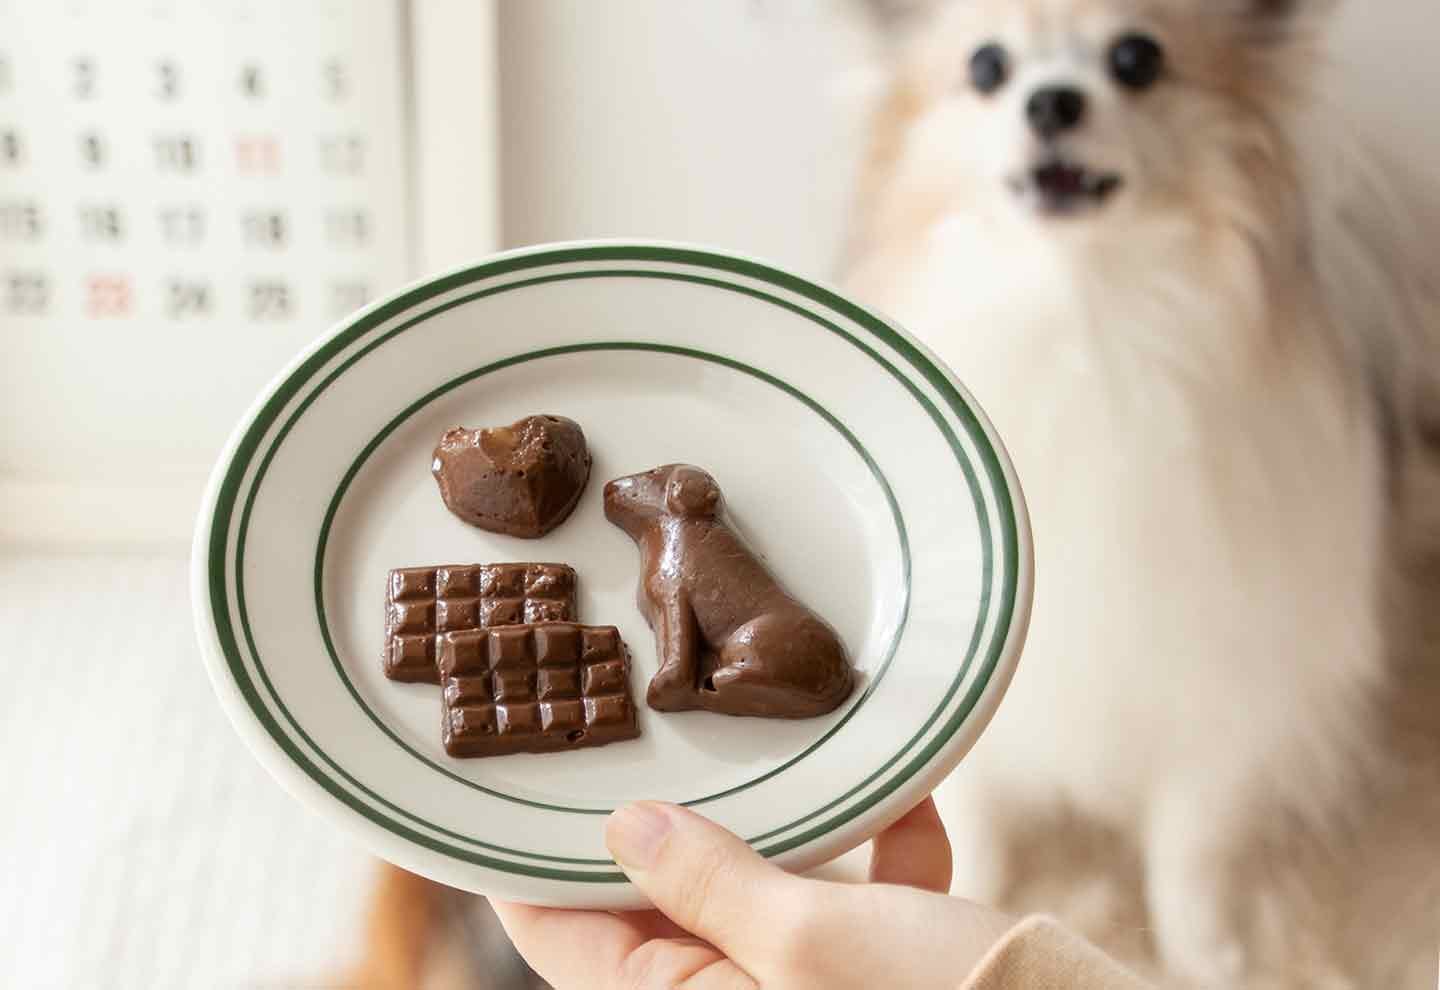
{"points": [[896, 17], [1277, 20], [692, 493], [1273, 9]]}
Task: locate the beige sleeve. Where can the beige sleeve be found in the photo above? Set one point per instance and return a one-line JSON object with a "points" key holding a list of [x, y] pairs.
{"points": [[1038, 954]]}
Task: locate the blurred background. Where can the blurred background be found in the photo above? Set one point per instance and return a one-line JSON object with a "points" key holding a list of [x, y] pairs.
{"points": [[190, 193]]}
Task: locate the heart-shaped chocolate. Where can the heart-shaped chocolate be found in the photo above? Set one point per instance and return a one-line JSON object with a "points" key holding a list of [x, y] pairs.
{"points": [[522, 479]]}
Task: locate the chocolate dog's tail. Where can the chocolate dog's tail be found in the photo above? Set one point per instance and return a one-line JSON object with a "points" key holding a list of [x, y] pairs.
{"points": [[782, 665]]}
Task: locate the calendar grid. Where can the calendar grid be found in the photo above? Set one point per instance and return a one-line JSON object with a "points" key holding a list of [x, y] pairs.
{"points": [[188, 194]]}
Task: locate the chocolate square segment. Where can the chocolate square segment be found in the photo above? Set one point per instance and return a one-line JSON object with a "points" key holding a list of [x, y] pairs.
{"points": [[502, 580], [411, 658], [464, 653], [518, 720], [612, 709], [543, 610], [412, 617], [605, 678], [549, 581], [412, 583], [455, 614], [457, 582], [433, 601], [559, 682], [557, 645], [502, 612], [562, 716], [474, 720], [468, 731], [514, 685], [512, 646], [463, 691], [546, 697], [600, 643]]}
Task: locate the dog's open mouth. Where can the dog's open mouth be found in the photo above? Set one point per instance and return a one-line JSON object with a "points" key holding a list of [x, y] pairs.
{"points": [[1058, 186]]}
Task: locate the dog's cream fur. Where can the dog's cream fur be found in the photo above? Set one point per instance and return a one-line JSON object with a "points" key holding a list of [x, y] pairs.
{"points": [[1213, 387]]}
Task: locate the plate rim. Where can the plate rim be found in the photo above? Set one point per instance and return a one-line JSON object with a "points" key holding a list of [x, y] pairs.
{"points": [[925, 769]]}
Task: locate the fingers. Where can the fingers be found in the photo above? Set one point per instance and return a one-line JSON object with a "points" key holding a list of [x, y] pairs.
{"points": [[702, 877], [755, 922], [720, 975], [914, 852], [681, 964], [653, 924], [570, 948], [584, 950]]}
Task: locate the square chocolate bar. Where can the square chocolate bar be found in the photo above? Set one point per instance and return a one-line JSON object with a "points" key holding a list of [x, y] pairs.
{"points": [[423, 603], [534, 689]]}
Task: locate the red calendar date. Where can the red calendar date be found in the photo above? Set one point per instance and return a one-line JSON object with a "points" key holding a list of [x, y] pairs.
{"points": [[108, 296], [257, 155]]}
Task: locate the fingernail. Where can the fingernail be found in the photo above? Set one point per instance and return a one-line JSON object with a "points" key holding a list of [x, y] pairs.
{"points": [[634, 834]]}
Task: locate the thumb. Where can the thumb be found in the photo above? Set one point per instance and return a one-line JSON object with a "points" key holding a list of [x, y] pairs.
{"points": [[705, 879]]}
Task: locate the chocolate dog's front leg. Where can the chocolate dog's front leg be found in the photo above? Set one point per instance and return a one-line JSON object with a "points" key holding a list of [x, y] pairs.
{"points": [[677, 639]]}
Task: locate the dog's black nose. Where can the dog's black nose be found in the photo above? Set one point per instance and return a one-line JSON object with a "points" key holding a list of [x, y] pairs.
{"points": [[1055, 110]]}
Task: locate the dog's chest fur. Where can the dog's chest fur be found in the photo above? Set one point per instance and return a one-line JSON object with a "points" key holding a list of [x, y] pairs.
{"points": [[1205, 500]]}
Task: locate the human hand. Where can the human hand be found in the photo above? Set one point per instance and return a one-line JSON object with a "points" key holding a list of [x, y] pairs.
{"points": [[730, 920]]}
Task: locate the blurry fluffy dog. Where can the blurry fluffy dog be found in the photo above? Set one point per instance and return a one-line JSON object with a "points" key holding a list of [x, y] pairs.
{"points": [[1202, 329]]}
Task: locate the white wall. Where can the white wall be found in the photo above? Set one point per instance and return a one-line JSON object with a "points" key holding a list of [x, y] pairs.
{"points": [[728, 121], [1389, 51], [737, 122], [455, 188]]}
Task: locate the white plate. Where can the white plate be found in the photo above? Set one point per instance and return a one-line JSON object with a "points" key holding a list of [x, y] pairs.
{"points": [[850, 458]]}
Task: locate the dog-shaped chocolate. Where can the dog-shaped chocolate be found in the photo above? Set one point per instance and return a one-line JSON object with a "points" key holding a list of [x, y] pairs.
{"points": [[729, 638]]}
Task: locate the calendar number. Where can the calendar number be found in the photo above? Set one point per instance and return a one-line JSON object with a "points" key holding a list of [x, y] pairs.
{"points": [[102, 223], [343, 154], [108, 296], [92, 150], [182, 224], [187, 297], [337, 81], [269, 300], [264, 228], [252, 82], [12, 149], [21, 221], [347, 228], [257, 155], [26, 293], [168, 74], [82, 74], [177, 153], [82, 248], [346, 297]]}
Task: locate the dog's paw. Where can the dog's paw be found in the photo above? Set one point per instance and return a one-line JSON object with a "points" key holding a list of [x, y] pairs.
{"points": [[1195, 942], [1191, 888]]}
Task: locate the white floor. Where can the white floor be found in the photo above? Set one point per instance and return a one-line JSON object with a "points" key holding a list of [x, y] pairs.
{"points": [[140, 844]]}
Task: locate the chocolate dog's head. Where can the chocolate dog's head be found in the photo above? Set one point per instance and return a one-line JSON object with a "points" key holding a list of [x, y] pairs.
{"points": [[673, 489]]}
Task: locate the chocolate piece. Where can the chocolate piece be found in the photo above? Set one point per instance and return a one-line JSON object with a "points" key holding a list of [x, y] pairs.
{"points": [[730, 639], [522, 479], [535, 689], [424, 602]]}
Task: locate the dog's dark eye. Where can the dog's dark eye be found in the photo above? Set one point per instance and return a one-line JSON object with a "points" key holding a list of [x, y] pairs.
{"points": [[1137, 60], [988, 68]]}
